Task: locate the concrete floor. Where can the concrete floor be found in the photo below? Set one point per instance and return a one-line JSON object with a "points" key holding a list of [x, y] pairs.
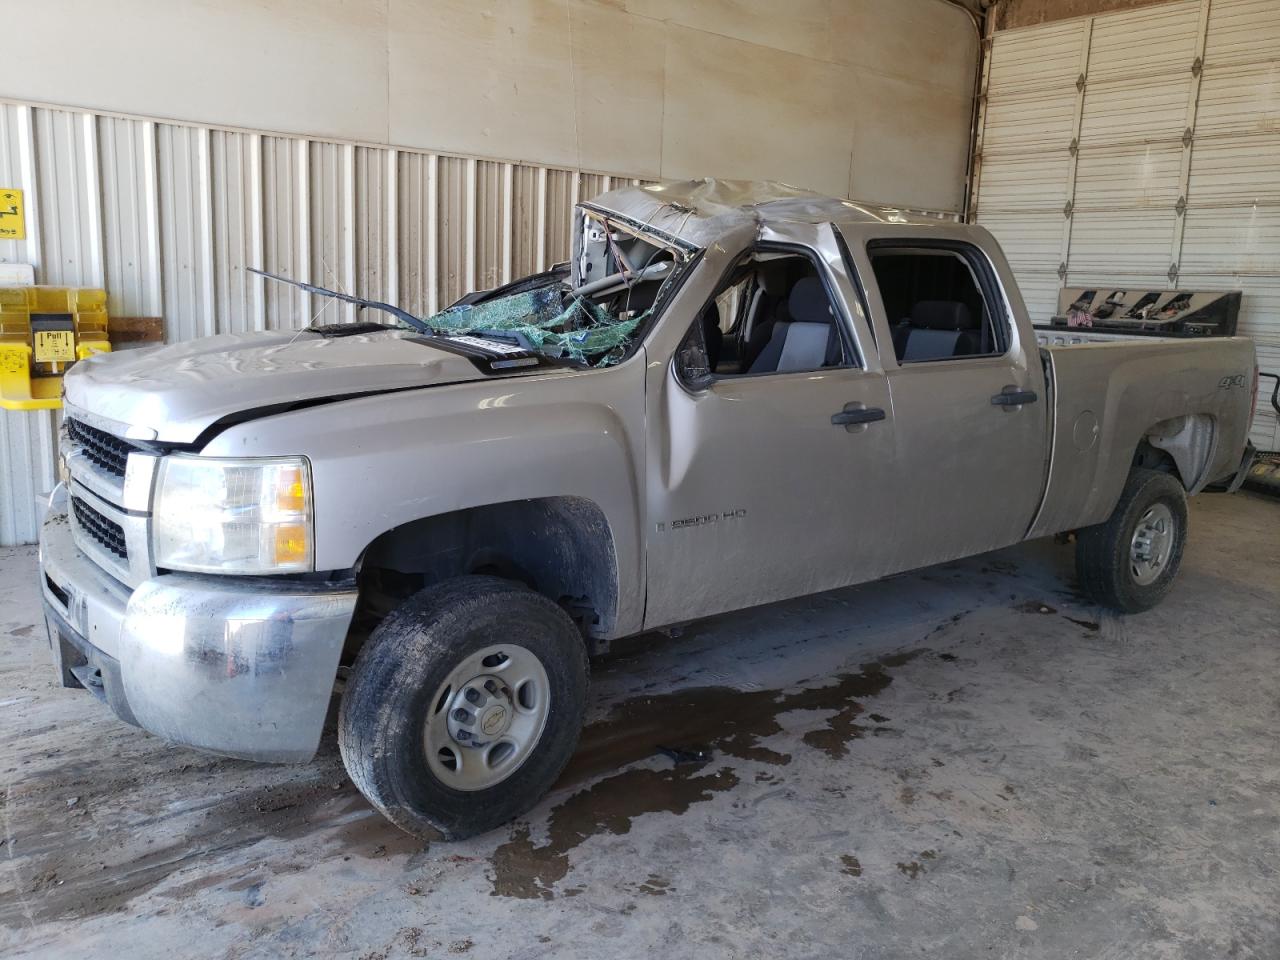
{"points": [[964, 762]]}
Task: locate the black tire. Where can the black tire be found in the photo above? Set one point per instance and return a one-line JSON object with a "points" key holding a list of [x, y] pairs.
{"points": [[1103, 564], [398, 672]]}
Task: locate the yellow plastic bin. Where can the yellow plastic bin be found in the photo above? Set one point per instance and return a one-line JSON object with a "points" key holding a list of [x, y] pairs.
{"points": [[43, 331]]}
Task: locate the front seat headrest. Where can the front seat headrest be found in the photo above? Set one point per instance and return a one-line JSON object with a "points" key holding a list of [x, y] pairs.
{"points": [[808, 302], [941, 315]]}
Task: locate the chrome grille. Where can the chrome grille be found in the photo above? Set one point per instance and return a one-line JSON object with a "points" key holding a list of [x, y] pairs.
{"points": [[105, 531], [102, 448]]}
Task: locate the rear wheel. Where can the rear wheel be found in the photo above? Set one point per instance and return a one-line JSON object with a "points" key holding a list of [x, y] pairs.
{"points": [[1129, 562], [464, 706]]}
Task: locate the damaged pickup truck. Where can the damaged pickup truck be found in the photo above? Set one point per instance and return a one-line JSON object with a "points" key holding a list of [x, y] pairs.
{"points": [[733, 394]]}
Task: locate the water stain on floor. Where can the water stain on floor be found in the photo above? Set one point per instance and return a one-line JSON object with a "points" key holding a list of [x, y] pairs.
{"points": [[527, 870], [730, 721], [245, 810]]}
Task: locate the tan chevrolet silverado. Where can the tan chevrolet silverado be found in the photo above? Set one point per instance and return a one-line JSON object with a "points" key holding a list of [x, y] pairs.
{"points": [[733, 394]]}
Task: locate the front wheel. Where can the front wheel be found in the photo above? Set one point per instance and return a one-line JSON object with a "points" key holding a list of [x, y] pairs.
{"points": [[1129, 562], [464, 706]]}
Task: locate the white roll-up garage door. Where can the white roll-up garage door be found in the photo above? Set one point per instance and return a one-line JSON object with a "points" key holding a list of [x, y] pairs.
{"points": [[1141, 149]]}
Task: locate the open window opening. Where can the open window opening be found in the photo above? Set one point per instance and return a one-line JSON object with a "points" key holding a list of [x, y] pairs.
{"points": [[939, 301], [772, 313]]}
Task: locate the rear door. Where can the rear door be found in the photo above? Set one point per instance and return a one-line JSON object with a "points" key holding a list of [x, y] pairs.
{"points": [[967, 395]]}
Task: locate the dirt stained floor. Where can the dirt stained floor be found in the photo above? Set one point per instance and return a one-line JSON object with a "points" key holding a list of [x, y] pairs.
{"points": [[967, 761]]}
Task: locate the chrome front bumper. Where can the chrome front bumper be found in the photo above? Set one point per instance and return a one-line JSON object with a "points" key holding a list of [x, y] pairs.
{"points": [[235, 665]]}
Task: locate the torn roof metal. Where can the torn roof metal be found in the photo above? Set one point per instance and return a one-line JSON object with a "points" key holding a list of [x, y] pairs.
{"points": [[699, 211]]}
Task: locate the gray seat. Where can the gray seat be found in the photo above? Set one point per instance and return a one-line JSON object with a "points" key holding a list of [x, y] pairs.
{"points": [[938, 329], [768, 306], [808, 340]]}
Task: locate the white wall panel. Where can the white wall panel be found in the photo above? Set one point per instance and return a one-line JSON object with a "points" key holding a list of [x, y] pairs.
{"points": [[236, 177], [1135, 110], [1031, 243], [186, 262], [18, 169], [1236, 172], [525, 207], [305, 66], [1137, 43], [492, 222], [1023, 121], [27, 470], [66, 152], [286, 237], [1243, 31], [1133, 243], [1240, 100], [1022, 182], [417, 222], [1044, 59], [662, 88], [1243, 241], [130, 216], [1129, 177], [375, 223], [331, 217]]}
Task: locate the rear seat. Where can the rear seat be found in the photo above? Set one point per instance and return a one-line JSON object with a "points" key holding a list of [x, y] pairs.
{"points": [[936, 330]]}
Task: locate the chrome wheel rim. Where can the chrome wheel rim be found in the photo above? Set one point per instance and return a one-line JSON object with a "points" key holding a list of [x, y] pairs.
{"points": [[1152, 544], [486, 717]]}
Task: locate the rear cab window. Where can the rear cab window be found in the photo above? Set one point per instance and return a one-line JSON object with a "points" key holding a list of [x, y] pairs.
{"points": [[941, 300]]}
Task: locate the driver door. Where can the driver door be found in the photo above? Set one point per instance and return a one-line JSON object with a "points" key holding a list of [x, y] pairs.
{"points": [[767, 482]]}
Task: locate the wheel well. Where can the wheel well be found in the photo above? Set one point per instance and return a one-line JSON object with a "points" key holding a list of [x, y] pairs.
{"points": [[1182, 446], [561, 547], [1147, 457]]}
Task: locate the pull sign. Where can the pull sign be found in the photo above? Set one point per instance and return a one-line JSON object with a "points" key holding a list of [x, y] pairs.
{"points": [[13, 214]]}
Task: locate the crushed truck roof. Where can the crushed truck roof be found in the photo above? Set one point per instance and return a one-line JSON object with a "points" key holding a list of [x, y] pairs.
{"points": [[699, 211]]}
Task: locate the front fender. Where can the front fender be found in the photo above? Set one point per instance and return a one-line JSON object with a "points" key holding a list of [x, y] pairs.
{"points": [[383, 461]]}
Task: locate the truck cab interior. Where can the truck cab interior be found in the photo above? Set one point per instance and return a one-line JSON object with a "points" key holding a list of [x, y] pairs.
{"points": [[935, 304], [771, 314]]}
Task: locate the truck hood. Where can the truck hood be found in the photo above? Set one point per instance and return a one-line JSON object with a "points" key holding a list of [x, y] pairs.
{"points": [[174, 393]]}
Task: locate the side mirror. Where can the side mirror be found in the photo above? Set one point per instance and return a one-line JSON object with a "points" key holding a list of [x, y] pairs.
{"points": [[692, 364]]}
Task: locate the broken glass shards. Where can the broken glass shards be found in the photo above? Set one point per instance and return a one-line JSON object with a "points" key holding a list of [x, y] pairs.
{"points": [[539, 308], [582, 331]]}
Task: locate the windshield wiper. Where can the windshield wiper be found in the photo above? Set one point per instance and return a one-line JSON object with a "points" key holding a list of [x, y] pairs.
{"points": [[400, 314]]}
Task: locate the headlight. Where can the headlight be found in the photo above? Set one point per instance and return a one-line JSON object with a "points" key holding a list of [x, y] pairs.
{"points": [[233, 516]]}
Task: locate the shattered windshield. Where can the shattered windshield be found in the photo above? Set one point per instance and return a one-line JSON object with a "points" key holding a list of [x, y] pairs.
{"points": [[551, 320], [594, 322], [588, 315]]}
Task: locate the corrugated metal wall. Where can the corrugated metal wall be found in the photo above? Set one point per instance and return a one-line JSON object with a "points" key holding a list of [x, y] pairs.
{"points": [[167, 217]]}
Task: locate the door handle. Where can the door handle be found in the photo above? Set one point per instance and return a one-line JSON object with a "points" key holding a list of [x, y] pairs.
{"points": [[1013, 396], [850, 416]]}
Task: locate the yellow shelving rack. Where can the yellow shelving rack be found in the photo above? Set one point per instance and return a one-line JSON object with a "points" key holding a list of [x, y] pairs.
{"points": [[43, 331]]}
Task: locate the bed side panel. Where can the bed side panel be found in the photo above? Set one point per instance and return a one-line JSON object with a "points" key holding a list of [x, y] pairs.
{"points": [[1107, 396]]}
